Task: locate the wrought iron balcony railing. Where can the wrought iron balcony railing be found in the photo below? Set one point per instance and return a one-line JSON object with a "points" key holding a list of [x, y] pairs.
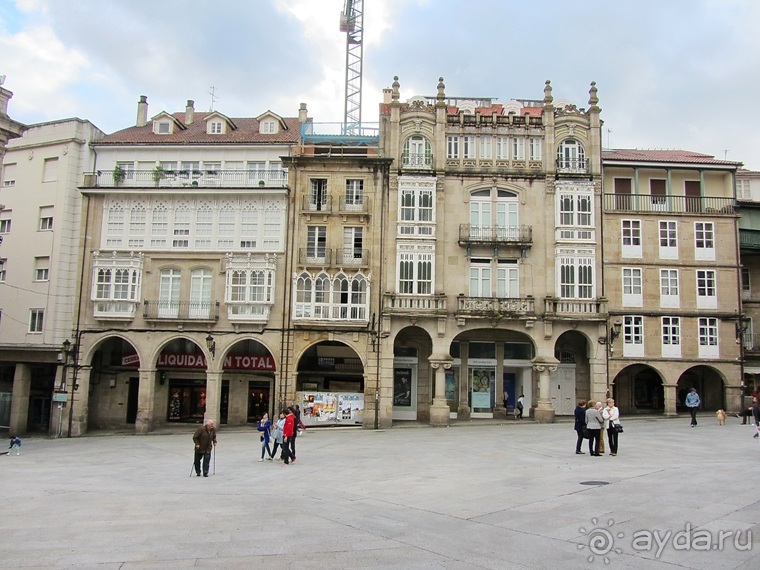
{"points": [[315, 256], [469, 234], [572, 165], [417, 160], [186, 179], [352, 257], [311, 204], [181, 310], [356, 205], [669, 203]]}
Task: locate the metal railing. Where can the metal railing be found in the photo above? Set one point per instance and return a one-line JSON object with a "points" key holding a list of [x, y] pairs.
{"points": [[354, 205], [181, 310], [416, 160], [749, 239], [312, 205], [496, 307], [187, 178], [352, 257], [669, 203], [495, 234], [316, 256], [572, 165]]}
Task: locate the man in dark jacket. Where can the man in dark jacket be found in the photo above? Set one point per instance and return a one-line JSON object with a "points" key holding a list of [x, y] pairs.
{"points": [[580, 423], [205, 440], [756, 415]]}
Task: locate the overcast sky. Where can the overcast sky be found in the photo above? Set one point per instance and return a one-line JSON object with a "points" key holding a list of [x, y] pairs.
{"points": [[670, 73]]}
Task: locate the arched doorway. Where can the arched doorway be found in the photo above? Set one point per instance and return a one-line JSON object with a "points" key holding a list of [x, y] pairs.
{"points": [[248, 383], [572, 379], [182, 365], [114, 384], [638, 389], [708, 383], [412, 389]]}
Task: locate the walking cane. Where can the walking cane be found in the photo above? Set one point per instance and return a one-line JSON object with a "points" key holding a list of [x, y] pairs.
{"points": [[214, 472], [192, 467]]}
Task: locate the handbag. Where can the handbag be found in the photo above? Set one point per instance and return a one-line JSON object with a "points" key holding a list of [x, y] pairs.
{"points": [[586, 434], [618, 428]]}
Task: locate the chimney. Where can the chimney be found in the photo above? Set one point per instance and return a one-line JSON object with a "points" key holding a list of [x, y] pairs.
{"points": [[189, 112], [142, 111], [302, 113], [387, 95]]}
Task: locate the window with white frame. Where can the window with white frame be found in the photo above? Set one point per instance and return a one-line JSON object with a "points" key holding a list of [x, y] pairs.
{"points": [[452, 146], [128, 167], [571, 155], [5, 222], [3, 269], [669, 296], [316, 243], [226, 227], [494, 215], [743, 190], [41, 268], [671, 337], [416, 213], [349, 297], [354, 194], [632, 287], [668, 239], [535, 148], [708, 337], [415, 270], [249, 292], [502, 148], [746, 283], [494, 278], [707, 296], [633, 336], [36, 320], [268, 127], [168, 293], [201, 283], [704, 241], [250, 286], [116, 285], [468, 147], [162, 127], [353, 244], [9, 174], [50, 169], [138, 217], [204, 226], [322, 297], [159, 226], [249, 226], [215, 127], [575, 218], [417, 153], [486, 149], [183, 217], [631, 237], [576, 276], [46, 218], [318, 194], [115, 226], [518, 148]]}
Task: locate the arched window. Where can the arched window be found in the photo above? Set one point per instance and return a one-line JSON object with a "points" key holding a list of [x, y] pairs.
{"points": [[322, 296], [304, 296], [571, 156], [417, 153], [494, 215]]}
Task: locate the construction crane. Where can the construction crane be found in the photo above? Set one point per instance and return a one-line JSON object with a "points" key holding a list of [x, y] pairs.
{"points": [[352, 22]]}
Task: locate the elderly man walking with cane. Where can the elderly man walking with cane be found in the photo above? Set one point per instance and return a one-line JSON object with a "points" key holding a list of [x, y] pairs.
{"points": [[205, 441]]}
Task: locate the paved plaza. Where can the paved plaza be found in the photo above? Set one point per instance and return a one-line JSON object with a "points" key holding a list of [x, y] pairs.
{"points": [[469, 496]]}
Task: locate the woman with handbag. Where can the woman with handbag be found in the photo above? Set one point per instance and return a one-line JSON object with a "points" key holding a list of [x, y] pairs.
{"points": [[611, 416]]}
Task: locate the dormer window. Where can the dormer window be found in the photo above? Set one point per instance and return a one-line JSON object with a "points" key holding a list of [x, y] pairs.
{"points": [[215, 127], [162, 127], [268, 127]]}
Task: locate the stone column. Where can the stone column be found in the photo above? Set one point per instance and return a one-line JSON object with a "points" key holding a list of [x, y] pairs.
{"points": [[463, 409], [544, 412], [671, 398], [146, 400], [213, 396], [79, 407], [22, 382], [439, 410], [733, 399]]}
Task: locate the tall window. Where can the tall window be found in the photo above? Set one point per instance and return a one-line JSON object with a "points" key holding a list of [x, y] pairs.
{"points": [[631, 236], [416, 211], [452, 147], [318, 194], [168, 294], [41, 268], [5, 222], [468, 147], [353, 242], [502, 148], [494, 214], [633, 336], [417, 153], [200, 294], [707, 297], [491, 278], [632, 296], [415, 273], [669, 297], [46, 218], [535, 148], [576, 277], [36, 318], [316, 242], [575, 214], [204, 226], [518, 148], [137, 223], [181, 231], [746, 283], [657, 192], [3, 269], [704, 241], [571, 155], [486, 152], [671, 337], [354, 193], [708, 337], [668, 239], [159, 226]]}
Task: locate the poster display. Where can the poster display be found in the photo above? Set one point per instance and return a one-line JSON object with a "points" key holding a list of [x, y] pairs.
{"points": [[331, 408], [402, 387], [482, 379]]}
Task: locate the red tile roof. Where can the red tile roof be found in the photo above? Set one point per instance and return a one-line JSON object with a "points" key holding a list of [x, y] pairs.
{"points": [[659, 155], [247, 132]]}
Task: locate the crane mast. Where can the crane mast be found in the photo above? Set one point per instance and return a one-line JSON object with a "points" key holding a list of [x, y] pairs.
{"points": [[352, 22]]}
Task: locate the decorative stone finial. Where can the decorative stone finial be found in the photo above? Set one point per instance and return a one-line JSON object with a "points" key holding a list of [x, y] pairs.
{"points": [[396, 85], [593, 99], [548, 93], [441, 87]]}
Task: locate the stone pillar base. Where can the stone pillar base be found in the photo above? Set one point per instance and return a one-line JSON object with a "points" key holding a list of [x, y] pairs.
{"points": [[439, 414], [463, 414], [671, 414], [543, 416], [500, 413], [142, 427]]}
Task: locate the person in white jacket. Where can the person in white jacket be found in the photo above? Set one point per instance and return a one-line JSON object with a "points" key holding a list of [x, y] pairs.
{"points": [[611, 417]]}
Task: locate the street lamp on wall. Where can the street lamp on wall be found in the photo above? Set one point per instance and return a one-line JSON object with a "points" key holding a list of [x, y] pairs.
{"points": [[211, 345], [612, 334]]}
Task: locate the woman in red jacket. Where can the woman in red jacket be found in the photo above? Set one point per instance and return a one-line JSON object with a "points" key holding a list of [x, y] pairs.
{"points": [[288, 437]]}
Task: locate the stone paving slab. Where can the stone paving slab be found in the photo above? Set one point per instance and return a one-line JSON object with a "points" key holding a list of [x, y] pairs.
{"points": [[472, 496]]}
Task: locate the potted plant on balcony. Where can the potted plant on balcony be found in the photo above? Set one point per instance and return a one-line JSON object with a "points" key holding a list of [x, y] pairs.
{"points": [[119, 174], [158, 174]]}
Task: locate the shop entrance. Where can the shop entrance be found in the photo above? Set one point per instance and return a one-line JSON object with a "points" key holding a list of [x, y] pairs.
{"points": [[187, 401], [258, 401], [134, 389]]}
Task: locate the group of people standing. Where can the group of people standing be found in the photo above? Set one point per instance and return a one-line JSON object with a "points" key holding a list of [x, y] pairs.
{"points": [[592, 419], [283, 434]]}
